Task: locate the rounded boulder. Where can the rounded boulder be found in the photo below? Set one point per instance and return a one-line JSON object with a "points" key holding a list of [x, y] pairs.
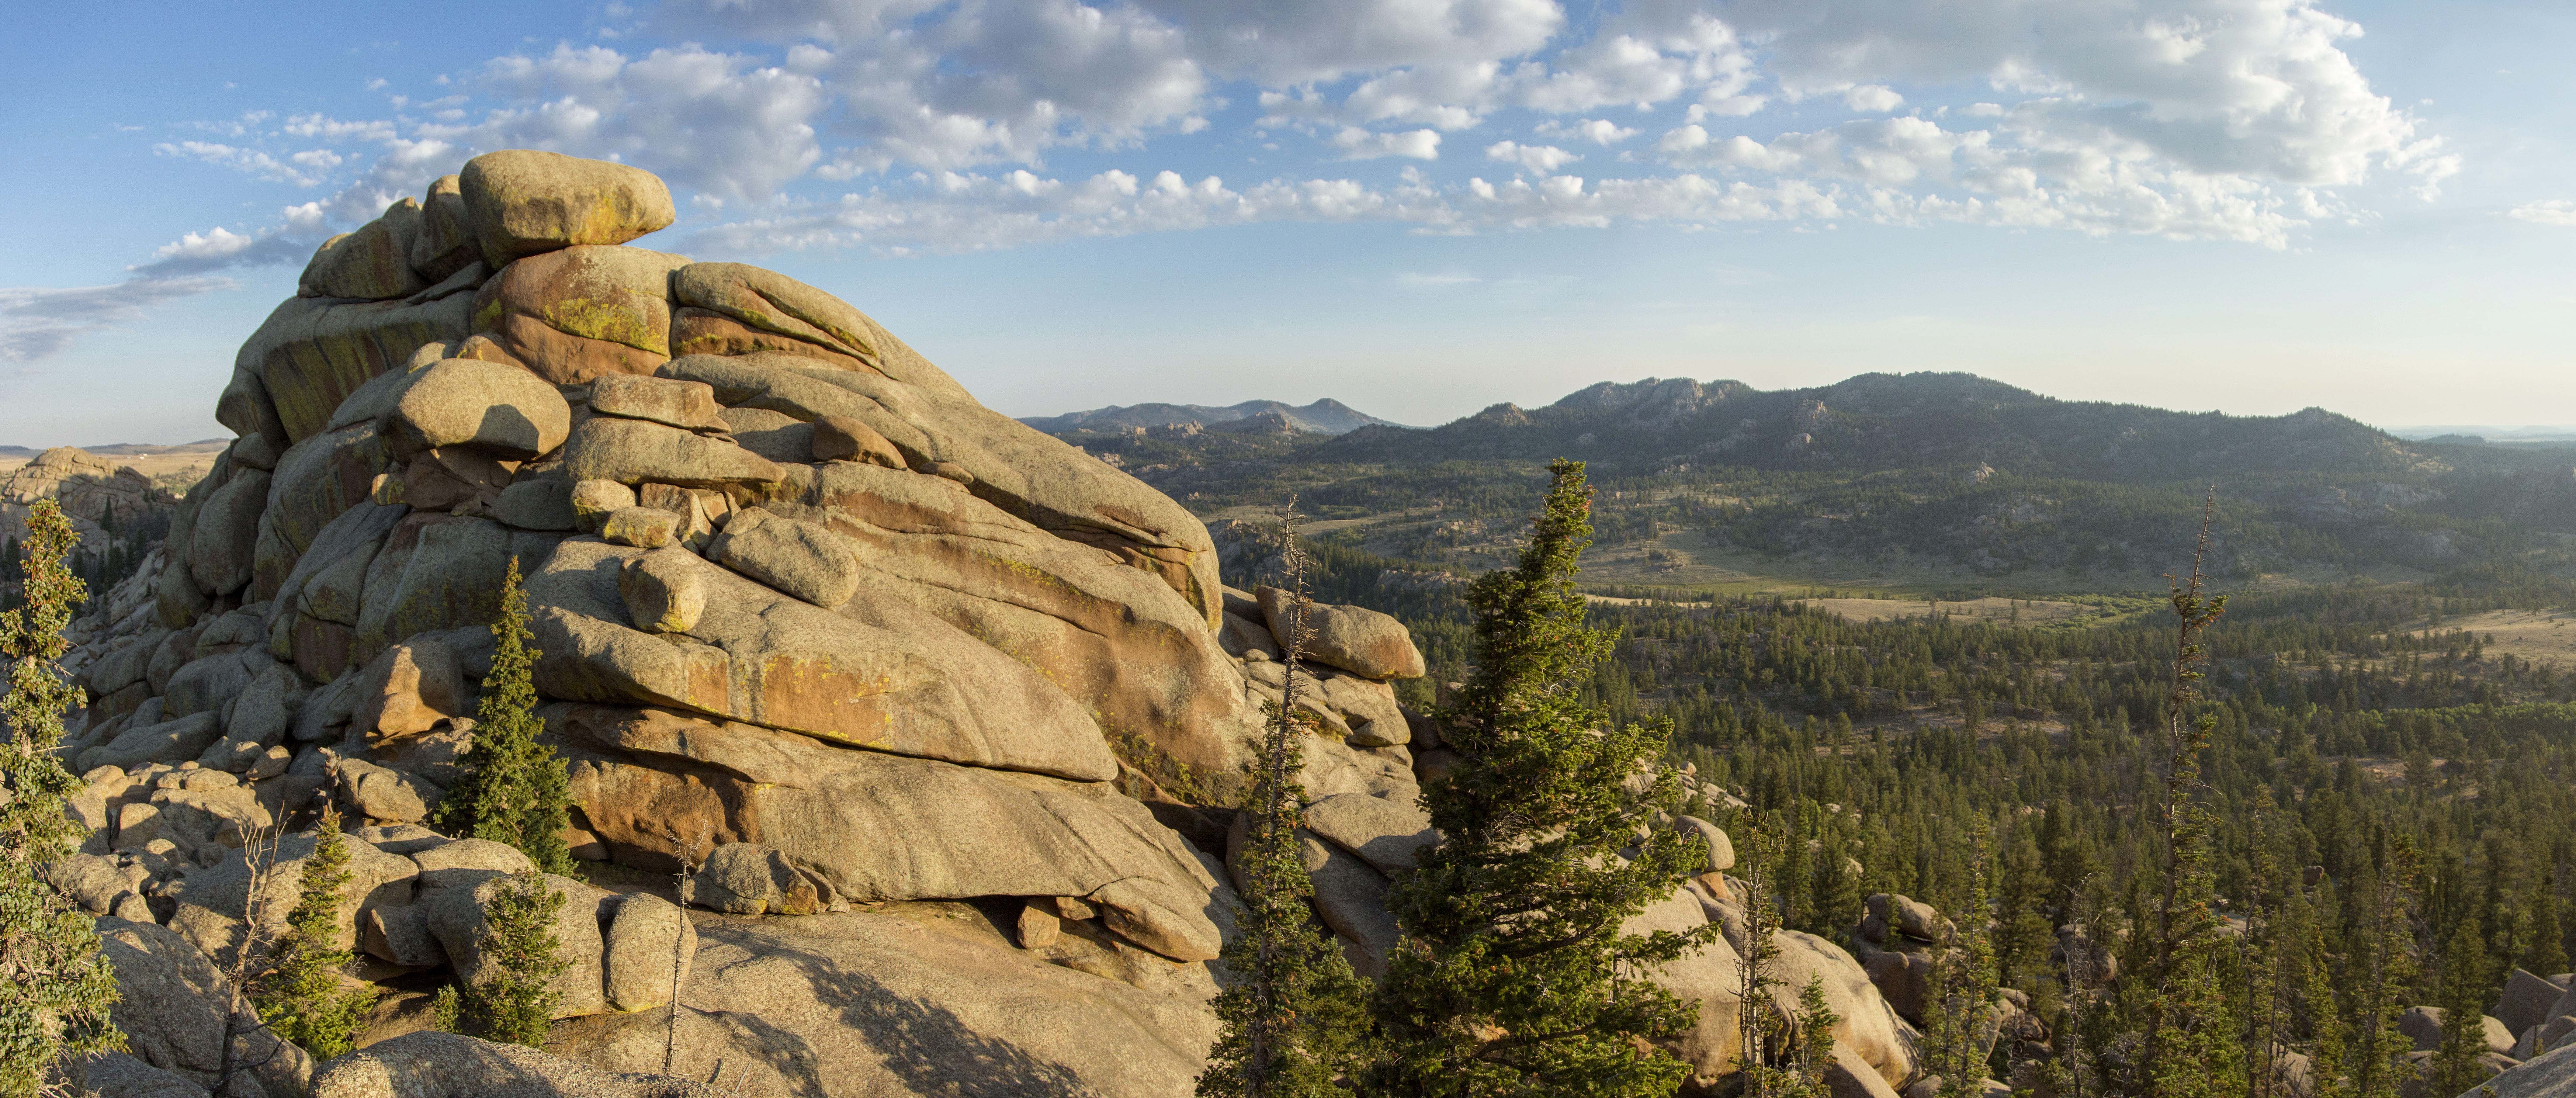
{"points": [[489, 406], [524, 202]]}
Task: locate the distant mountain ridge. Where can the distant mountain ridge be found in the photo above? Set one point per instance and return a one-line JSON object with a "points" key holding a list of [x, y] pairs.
{"points": [[1893, 421], [1323, 417], [128, 449]]}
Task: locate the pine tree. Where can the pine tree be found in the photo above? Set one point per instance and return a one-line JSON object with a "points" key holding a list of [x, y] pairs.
{"points": [[514, 1004], [2386, 970], [300, 995], [55, 990], [1754, 976], [1293, 1021], [2192, 1045], [2547, 953], [2022, 928], [1833, 888], [1513, 975], [2455, 1066], [1815, 1052], [514, 789], [1963, 1025]]}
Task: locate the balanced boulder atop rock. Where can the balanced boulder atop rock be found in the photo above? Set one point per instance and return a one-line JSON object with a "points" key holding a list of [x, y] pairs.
{"points": [[1355, 639], [524, 202]]}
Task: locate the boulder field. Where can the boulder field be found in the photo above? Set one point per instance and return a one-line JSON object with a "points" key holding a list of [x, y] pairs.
{"points": [[944, 714]]}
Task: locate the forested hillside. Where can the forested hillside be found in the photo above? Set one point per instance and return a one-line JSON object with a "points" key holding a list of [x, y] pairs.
{"points": [[2388, 782], [2384, 788], [1902, 483]]}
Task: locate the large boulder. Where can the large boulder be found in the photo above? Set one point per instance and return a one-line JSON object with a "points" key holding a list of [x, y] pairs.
{"points": [[581, 313], [178, 1014], [312, 353], [372, 263], [1353, 638], [489, 406], [1026, 473], [1119, 640], [892, 679], [800, 558], [1352, 899], [429, 1064], [1388, 835], [874, 1004], [2526, 1000], [651, 944], [523, 202], [439, 572], [968, 831], [633, 451], [457, 911], [376, 879]]}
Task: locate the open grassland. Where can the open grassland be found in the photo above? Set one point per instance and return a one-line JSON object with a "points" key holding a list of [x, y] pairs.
{"points": [[2540, 636]]}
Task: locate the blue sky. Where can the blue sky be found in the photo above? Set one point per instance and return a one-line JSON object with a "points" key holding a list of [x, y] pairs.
{"points": [[1419, 207]]}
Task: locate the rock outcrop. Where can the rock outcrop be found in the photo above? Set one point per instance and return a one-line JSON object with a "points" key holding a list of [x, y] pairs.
{"points": [[812, 623]]}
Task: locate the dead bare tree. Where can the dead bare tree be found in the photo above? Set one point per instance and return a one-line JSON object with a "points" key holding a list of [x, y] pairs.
{"points": [[683, 888]]}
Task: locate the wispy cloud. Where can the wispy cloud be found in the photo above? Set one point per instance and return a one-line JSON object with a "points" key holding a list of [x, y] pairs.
{"points": [[39, 321]]}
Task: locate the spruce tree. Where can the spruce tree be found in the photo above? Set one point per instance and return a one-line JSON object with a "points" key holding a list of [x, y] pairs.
{"points": [[515, 1003], [55, 990], [1513, 975], [514, 789], [1293, 1020], [300, 995]]}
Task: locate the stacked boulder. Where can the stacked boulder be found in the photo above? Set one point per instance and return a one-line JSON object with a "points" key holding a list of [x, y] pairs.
{"points": [[813, 624]]}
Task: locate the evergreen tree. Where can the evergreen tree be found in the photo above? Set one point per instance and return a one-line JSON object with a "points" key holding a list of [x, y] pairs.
{"points": [[1833, 888], [1513, 975], [300, 995], [55, 990], [1293, 1020], [1964, 1019], [2547, 952], [2192, 1044], [514, 1004], [2455, 1066], [514, 789], [2023, 931], [1754, 975], [1815, 1052], [2386, 971]]}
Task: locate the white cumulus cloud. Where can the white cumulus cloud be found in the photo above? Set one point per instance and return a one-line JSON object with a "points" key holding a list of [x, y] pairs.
{"points": [[1542, 159], [1359, 144]]}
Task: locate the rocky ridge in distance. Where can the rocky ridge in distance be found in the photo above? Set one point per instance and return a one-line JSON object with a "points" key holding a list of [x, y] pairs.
{"points": [[1323, 417]]}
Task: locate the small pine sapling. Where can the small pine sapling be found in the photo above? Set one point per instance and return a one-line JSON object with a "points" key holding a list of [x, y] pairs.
{"points": [[300, 995], [516, 1001]]}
